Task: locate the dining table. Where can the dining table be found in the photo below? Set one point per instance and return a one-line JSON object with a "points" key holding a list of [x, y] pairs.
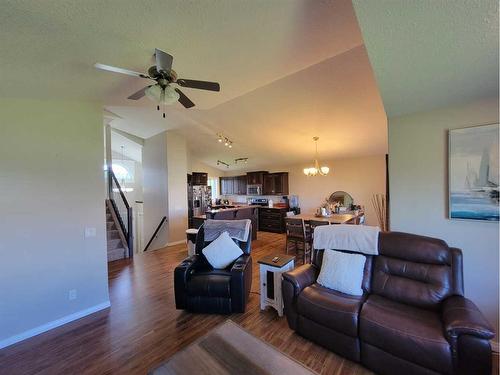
{"points": [[340, 218]]}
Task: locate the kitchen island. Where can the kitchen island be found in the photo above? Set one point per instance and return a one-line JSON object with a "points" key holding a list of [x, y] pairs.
{"points": [[236, 213]]}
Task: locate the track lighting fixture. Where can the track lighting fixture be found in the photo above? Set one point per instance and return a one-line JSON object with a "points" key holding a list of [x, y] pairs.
{"points": [[219, 162], [223, 139]]}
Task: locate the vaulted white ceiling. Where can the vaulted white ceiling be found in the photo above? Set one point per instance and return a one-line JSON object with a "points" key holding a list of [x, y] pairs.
{"points": [[288, 69]]}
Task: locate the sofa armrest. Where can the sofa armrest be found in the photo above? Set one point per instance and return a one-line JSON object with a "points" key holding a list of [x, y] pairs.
{"points": [[241, 264], [181, 275], [462, 317], [301, 277], [241, 282], [293, 283]]}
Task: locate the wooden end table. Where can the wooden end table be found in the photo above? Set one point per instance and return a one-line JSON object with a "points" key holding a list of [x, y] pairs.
{"points": [[270, 280]]}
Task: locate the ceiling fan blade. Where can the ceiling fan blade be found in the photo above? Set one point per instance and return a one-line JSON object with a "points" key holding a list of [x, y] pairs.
{"points": [[163, 61], [139, 94], [203, 85], [184, 100], [114, 69]]}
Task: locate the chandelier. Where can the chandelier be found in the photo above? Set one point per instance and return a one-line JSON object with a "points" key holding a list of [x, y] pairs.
{"points": [[316, 169]]}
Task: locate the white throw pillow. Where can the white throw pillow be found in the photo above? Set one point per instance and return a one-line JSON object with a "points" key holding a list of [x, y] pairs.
{"points": [[342, 272], [222, 251]]}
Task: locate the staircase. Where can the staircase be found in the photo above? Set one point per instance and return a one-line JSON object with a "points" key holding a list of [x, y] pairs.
{"points": [[116, 249]]}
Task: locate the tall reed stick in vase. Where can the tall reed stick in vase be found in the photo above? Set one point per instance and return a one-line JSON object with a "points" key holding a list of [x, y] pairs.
{"points": [[380, 206]]}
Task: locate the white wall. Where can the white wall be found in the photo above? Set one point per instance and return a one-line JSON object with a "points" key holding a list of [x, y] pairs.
{"points": [[154, 171], [177, 168], [418, 188], [165, 168], [361, 177], [52, 188]]}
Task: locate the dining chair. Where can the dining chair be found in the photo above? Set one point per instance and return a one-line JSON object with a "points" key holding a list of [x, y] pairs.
{"points": [[296, 234], [313, 224]]}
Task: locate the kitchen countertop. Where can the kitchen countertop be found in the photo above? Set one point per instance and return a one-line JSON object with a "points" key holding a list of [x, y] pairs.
{"points": [[238, 207]]}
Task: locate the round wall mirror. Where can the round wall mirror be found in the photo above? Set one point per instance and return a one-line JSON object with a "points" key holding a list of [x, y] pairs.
{"points": [[341, 197]]}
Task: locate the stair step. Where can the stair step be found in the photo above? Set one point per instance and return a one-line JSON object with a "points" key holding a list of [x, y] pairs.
{"points": [[114, 243], [110, 225], [112, 234], [115, 254], [109, 217]]}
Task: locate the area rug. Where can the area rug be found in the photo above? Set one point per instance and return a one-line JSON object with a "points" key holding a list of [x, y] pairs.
{"points": [[229, 349]]}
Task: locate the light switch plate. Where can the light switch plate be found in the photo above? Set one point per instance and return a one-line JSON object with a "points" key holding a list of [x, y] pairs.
{"points": [[90, 232], [72, 294]]}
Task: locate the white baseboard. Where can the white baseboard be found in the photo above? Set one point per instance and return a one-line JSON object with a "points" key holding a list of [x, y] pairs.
{"points": [[53, 324], [494, 346], [176, 243]]}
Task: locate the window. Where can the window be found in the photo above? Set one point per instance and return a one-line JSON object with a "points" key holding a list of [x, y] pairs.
{"points": [[213, 182]]}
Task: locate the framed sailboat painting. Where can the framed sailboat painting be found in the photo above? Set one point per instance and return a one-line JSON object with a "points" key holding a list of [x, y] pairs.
{"points": [[473, 168]]}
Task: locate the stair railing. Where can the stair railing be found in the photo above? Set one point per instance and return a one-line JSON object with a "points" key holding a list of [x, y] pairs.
{"points": [[122, 210], [155, 234]]}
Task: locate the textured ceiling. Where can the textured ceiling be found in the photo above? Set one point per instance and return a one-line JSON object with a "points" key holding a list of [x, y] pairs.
{"points": [[288, 69], [428, 54], [241, 44]]}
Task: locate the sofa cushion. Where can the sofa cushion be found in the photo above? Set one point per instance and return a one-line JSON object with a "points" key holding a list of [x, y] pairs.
{"points": [[407, 332], [419, 284], [214, 283], [342, 272], [222, 252], [330, 308]]}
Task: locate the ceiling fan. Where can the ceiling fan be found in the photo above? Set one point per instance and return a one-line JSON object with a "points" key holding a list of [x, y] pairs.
{"points": [[162, 91]]}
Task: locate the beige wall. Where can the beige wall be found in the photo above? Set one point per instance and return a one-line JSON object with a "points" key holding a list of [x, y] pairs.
{"points": [[52, 188], [154, 171], [177, 167], [197, 166], [361, 177], [165, 166], [418, 188]]}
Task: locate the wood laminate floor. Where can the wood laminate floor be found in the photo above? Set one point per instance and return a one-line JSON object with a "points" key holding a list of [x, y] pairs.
{"points": [[142, 328]]}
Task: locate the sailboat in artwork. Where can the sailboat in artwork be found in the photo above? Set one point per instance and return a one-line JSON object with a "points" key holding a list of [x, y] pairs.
{"points": [[478, 198]]}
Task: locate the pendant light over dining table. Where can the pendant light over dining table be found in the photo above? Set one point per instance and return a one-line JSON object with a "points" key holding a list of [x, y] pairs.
{"points": [[316, 169]]}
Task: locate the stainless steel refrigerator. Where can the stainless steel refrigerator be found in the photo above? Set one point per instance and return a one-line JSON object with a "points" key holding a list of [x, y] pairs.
{"points": [[201, 198]]}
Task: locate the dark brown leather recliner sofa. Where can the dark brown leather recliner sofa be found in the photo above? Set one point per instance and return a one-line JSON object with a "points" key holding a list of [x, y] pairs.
{"points": [[412, 319]]}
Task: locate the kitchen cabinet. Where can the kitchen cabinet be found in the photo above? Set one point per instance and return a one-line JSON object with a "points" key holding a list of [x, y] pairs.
{"points": [[227, 185], [272, 219], [199, 178], [242, 185], [236, 185], [256, 178], [276, 184]]}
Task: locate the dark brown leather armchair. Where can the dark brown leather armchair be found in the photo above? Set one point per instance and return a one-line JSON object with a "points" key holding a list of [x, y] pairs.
{"points": [[412, 319], [200, 288]]}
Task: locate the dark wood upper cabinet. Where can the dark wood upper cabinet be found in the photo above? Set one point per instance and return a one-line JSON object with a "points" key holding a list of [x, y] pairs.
{"points": [[199, 178], [272, 183], [242, 185], [256, 178], [236, 185], [226, 186], [276, 184]]}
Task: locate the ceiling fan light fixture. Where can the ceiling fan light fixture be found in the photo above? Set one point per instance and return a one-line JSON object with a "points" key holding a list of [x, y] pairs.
{"points": [[170, 96]]}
